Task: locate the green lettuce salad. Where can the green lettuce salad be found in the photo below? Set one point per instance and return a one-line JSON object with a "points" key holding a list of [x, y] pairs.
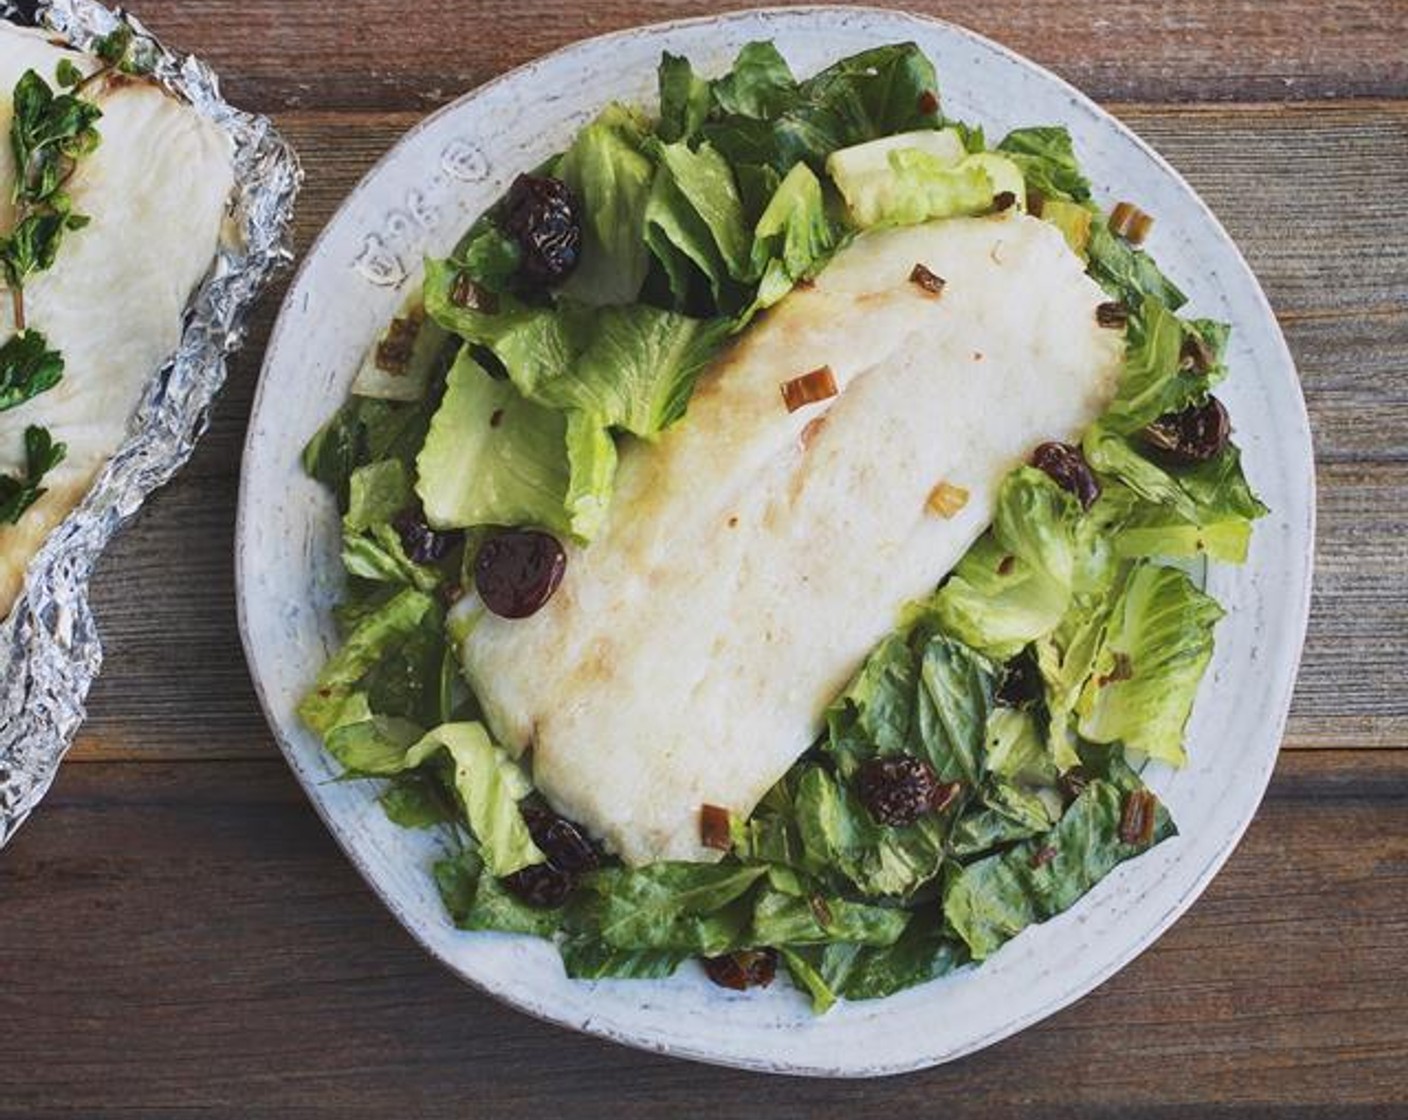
{"points": [[1062, 652]]}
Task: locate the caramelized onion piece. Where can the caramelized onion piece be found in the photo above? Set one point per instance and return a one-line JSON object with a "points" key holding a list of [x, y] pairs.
{"points": [[714, 828], [946, 500], [1130, 222], [930, 282], [819, 385], [467, 293], [393, 352], [1113, 314], [1137, 818], [747, 968]]}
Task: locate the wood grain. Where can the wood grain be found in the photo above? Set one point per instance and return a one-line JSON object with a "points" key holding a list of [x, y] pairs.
{"points": [[279, 55], [173, 657], [217, 952]]}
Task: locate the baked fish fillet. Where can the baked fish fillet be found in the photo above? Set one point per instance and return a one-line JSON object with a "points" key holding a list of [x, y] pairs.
{"points": [[752, 557], [156, 189]]}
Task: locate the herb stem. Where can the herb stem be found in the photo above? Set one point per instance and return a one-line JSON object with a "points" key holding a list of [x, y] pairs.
{"points": [[17, 299], [96, 75]]}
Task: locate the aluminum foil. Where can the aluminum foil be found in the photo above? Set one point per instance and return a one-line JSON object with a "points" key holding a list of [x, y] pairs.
{"points": [[49, 646]]}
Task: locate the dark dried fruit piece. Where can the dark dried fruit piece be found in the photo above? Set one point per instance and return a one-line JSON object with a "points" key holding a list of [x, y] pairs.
{"points": [[541, 885], [542, 215], [1138, 818], [1195, 435], [517, 571], [423, 544], [900, 789], [714, 831], [1066, 466], [1003, 200], [747, 968], [560, 840], [1021, 683]]}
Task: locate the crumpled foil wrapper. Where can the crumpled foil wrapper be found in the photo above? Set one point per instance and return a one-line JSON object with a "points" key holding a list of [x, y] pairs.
{"points": [[49, 647]]}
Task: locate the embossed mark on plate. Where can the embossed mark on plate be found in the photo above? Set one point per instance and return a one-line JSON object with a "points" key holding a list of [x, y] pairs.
{"points": [[465, 161], [383, 256], [400, 239]]}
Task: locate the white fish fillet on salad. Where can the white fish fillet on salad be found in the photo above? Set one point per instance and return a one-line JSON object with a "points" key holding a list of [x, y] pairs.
{"points": [[156, 190], [753, 556]]}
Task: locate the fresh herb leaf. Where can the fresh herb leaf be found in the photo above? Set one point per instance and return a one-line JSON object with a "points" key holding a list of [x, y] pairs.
{"points": [[18, 493], [27, 368]]}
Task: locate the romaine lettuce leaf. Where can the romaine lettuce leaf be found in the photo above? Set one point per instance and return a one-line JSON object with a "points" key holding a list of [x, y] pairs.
{"points": [[1015, 584], [838, 834], [378, 635], [875, 93], [922, 695], [780, 918], [684, 99], [921, 186], [493, 457], [923, 952], [1155, 648], [704, 186], [1047, 160], [586, 958], [759, 85], [1213, 498], [1127, 273], [677, 906], [638, 370], [611, 179], [991, 901], [377, 492], [793, 238]]}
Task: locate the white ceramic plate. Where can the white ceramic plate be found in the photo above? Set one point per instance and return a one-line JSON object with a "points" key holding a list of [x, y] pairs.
{"points": [[418, 201]]}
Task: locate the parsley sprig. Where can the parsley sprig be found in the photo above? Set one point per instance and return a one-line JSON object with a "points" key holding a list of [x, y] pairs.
{"points": [[19, 492]]}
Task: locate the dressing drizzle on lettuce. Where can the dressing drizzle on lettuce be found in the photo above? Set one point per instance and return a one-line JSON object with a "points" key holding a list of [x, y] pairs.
{"points": [[1063, 651]]}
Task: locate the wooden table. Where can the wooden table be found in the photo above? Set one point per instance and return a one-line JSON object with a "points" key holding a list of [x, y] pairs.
{"points": [[178, 932]]}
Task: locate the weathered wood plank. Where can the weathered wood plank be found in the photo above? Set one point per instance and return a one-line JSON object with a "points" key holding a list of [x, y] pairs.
{"points": [[188, 937], [174, 661], [275, 55]]}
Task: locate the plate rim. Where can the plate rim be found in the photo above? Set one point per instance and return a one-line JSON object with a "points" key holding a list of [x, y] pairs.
{"points": [[1060, 999]]}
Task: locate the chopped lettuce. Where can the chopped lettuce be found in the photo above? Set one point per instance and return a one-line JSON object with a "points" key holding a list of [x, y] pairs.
{"points": [[793, 238], [920, 186], [1015, 584], [685, 907], [611, 178], [992, 900], [1047, 160], [875, 93], [635, 373], [1148, 665], [839, 835], [492, 457], [1127, 273], [378, 635], [684, 99]]}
